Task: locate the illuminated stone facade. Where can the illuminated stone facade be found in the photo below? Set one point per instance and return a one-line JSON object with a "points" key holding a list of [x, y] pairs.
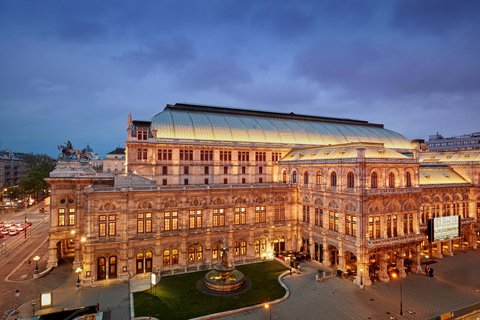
{"points": [[352, 195]]}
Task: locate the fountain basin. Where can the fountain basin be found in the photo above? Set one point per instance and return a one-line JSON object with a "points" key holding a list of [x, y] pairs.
{"points": [[224, 282]]}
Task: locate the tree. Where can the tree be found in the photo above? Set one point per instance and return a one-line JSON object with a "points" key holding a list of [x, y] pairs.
{"points": [[39, 167]]}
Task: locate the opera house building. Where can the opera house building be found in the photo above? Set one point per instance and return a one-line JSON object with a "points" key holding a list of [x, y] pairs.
{"points": [[349, 194]]}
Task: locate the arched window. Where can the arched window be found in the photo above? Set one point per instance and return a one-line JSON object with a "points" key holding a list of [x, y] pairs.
{"points": [[294, 177], [318, 178], [391, 180], [195, 253], [374, 180], [305, 178], [350, 180], [333, 179], [408, 178], [175, 256], [166, 257], [284, 176]]}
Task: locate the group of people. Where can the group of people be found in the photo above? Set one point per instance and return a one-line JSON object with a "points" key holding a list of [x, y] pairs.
{"points": [[428, 271]]}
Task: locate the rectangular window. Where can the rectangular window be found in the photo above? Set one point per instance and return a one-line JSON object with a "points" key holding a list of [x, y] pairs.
{"points": [[276, 156], [225, 170], [260, 180], [61, 217], [218, 217], [279, 213], [164, 170], [185, 182], [260, 214], [207, 170], [195, 219], [306, 214], [206, 155], [170, 221], [142, 154], [243, 180], [164, 154], [244, 170], [186, 170], [186, 155], [144, 222], [243, 156], [260, 170], [71, 217], [112, 225], [377, 227], [142, 134], [102, 226], [260, 156], [351, 225], [164, 182], [225, 181], [225, 155], [240, 216], [140, 223], [206, 181]]}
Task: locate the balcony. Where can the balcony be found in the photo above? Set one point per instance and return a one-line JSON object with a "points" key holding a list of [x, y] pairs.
{"points": [[381, 191], [405, 239]]}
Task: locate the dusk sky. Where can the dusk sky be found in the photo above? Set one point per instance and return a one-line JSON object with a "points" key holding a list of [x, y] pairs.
{"points": [[74, 70]]}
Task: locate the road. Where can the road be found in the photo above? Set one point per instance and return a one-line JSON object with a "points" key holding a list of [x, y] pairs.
{"points": [[17, 252]]}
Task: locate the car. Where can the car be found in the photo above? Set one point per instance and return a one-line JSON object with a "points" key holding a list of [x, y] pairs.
{"points": [[13, 232], [5, 231], [1, 235]]}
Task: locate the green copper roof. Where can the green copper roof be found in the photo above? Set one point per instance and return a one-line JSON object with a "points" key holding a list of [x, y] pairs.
{"points": [[191, 122]]}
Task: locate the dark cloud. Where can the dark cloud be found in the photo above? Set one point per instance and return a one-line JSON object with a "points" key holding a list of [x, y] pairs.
{"points": [[217, 73], [435, 16], [171, 53], [82, 31]]}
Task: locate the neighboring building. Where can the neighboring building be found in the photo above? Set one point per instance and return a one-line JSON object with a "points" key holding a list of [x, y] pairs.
{"points": [[115, 161], [437, 142], [12, 167], [349, 194]]}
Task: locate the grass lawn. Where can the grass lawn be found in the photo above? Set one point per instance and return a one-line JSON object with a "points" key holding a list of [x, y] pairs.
{"points": [[177, 297]]}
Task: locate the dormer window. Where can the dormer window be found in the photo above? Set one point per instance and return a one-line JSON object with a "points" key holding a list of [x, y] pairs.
{"points": [[142, 133]]}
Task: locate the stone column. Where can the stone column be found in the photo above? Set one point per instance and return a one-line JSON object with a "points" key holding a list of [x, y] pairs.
{"points": [[416, 264], [401, 266], [439, 250], [383, 272], [52, 254], [449, 248], [341, 258], [326, 254]]}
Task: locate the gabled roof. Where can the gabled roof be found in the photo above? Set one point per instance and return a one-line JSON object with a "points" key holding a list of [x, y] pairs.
{"points": [[450, 156], [440, 175], [348, 151], [194, 122]]}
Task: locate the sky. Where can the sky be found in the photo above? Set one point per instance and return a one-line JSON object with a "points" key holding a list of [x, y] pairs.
{"points": [[74, 70]]}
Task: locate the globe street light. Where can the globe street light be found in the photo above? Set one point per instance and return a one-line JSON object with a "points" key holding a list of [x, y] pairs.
{"points": [[395, 276], [36, 258], [78, 271], [269, 308]]}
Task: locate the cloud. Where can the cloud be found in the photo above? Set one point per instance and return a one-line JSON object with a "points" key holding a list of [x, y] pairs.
{"points": [[82, 31], [435, 16], [46, 86], [172, 54]]}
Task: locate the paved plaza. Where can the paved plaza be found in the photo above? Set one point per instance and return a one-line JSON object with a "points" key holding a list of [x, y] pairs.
{"points": [[455, 285]]}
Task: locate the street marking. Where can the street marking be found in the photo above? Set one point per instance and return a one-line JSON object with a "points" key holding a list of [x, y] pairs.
{"points": [[20, 264], [24, 276]]}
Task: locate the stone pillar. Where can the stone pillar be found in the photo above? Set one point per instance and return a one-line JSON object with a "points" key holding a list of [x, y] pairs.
{"points": [[77, 262], [416, 264], [439, 250], [312, 245], [52, 254], [341, 259], [326, 254], [449, 251], [383, 272]]}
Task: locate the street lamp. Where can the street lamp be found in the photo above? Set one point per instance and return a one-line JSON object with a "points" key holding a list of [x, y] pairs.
{"points": [[3, 195], [394, 276], [269, 308], [78, 271], [361, 278], [36, 258], [33, 308]]}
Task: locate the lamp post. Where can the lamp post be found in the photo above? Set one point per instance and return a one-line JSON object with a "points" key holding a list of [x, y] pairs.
{"points": [[78, 271], [268, 307], [3, 195], [361, 278], [395, 275], [33, 308], [36, 258]]}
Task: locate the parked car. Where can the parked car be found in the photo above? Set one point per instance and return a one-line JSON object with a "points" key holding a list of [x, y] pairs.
{"points": [[5, 231], [13, 232]]}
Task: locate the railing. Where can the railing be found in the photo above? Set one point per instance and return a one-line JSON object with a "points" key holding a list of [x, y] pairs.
{"points": [[92, 189], [393, 190], [375, 243]]}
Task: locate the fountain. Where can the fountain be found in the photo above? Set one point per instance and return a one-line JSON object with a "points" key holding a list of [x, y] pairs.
{"points": [[224, 278]]}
